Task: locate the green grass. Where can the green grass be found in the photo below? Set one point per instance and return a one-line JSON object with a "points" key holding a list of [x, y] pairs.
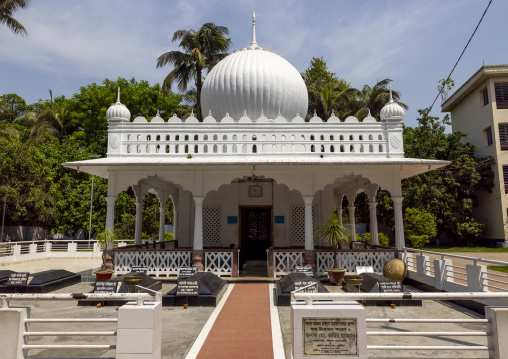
{"points": [[499, 268], [467, 249]]}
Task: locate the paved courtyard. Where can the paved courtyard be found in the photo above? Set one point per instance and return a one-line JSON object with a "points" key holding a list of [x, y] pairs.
{"points": [[181, 327]]}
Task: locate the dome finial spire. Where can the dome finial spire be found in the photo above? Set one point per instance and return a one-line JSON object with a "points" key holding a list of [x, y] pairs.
{"points": [[253, 29], [118, 97], [391, 97]]}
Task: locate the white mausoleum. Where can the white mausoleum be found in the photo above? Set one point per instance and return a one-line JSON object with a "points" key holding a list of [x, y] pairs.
{"points": [[254, 173]]}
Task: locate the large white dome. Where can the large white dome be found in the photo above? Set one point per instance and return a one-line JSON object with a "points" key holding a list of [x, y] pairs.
{"points": [[254, 80]]}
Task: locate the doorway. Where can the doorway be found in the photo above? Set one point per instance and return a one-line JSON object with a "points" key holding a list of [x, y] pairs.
{"points": [[256, 232]]}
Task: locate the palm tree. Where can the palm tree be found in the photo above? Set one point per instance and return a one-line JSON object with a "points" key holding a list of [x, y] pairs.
{"points": [[374, 99], [203, 49], [334, 96], [53, 118], [7, 8]]}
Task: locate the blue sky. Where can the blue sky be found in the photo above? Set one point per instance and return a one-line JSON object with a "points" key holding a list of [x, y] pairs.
{"points": [[415, 43]]}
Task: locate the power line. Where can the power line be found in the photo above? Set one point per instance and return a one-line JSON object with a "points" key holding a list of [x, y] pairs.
{"points": [[474, 32]]}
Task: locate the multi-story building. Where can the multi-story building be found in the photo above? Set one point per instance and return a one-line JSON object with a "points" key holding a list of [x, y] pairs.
{"points": [[480, 108]]}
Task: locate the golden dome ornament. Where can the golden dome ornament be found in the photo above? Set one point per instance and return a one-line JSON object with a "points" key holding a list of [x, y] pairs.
{"points": [[395, 269]]}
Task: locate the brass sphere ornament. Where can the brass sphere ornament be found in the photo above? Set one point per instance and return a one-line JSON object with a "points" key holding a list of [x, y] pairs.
{"points": [[395, 269], [132, 280]]}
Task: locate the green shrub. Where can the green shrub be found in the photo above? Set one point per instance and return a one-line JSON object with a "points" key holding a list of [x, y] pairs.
{"points": [[383, 239], [168, 236], [145, 236], [418, 242]]}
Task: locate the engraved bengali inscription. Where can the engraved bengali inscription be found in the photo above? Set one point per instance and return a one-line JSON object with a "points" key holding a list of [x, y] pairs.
{"points": [[330, 336]]}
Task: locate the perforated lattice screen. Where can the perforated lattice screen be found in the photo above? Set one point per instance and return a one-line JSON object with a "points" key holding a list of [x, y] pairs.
{"points": [[298, 224], [212, 225]]}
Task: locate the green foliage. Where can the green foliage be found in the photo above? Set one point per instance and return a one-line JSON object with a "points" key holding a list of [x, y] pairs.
{"points": [[168, 236], [12, 106], [503, 269], [88, 107], [449, 193], [203, 48], [7, 9], [383, 239], [470, 230], [418, 241], [332, 231], [106, 239], [419, 226], [145, 236]]}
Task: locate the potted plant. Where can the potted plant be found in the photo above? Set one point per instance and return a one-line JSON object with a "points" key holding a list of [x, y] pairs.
{"points": [[106, 271], [336, 234]]}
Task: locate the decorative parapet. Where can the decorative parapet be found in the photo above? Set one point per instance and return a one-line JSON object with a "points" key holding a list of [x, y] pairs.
{"points": [[180, 138]]}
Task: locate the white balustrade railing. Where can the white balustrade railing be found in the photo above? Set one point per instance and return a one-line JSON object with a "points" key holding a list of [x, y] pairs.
{"points": [[219, 263], [285, 262], [179, 139], [157, 262], [349, 260], [452, 272]]}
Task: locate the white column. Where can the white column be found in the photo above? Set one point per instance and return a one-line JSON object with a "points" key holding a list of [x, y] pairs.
{"points": [[175, 221], [110, 213], [352, 223], [162, 220], [374, 238], [309, 231], [399, 223], [139, 222], [198, 224]]}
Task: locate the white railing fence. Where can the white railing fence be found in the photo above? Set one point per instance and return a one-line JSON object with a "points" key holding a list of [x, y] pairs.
{"points": [[165, 262], [454, 273], [142, 315]]}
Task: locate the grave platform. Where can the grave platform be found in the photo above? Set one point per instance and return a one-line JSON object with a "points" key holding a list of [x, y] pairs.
{"points": [[45, 282], [284, 287], [210, 291]]}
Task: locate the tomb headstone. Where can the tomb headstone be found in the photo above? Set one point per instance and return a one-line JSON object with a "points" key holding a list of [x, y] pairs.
{"points": [[139, 269], [390, 286], [18, 279], [187, 287], [307, 270], [105, 287], [306, 286], [186, 272]]}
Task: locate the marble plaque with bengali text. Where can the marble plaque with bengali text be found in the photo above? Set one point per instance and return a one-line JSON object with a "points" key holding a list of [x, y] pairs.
{"points": [[330, 336]]}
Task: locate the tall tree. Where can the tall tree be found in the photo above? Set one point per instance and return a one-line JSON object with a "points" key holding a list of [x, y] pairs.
{"points": [[449, 193], [373, 99], [202, 50], [7, 9], [53, 118]]}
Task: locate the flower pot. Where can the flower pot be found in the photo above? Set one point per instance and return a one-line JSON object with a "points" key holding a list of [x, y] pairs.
{"points": [[99, 275], [336, 275]]}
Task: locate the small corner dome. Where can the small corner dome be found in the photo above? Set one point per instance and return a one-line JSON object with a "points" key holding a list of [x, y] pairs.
{"points": [[157, 118], [392, 110], [252, 79], [118, 111]]}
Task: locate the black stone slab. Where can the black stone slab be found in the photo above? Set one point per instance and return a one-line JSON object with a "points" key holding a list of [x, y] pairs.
{"points": [[147, 282], [45, 282], [284, 287], [211, 290], [370, 284], [4, 276]]}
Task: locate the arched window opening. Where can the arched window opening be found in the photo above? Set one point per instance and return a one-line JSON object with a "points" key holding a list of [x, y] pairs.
{"points": [[128, 137], [332, 149], [167, 148], [186, 137], [195, 148], [148, 138], [139, 137], [370, 137], [158, 137], [215, 138], [331, 138], [177, 138], [214, 148], [167, 138], [380, 137], [312, 137], [186, 148], [254, 138], [234, 137], [224, 149], [361, 138], [312, 148], [147, 149], [177, 148], [322, 148], [234, 149], [351, 148], [380, 148], [341, 148], [341, 138], [205, 150], [371, 148], [196, 138], [138, 150], [157, 149], [224, 138], [254, 149], [351, 138], [205, 138], [322, 138]]}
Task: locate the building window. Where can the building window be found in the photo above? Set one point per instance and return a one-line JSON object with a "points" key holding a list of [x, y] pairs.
{"points": [[485, 97], [505, 178], [503, 136], [501, 95], [487, 135]]}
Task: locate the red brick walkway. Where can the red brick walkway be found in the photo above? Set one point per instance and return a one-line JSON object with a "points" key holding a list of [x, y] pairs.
{"points": [[243, 328]]}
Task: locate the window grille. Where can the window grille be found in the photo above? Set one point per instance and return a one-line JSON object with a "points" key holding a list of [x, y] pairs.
{"points": [[298, 224], [485, 96], [212, 226], [503, 136], [488, 136], [501, 95], [505, 178]]}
